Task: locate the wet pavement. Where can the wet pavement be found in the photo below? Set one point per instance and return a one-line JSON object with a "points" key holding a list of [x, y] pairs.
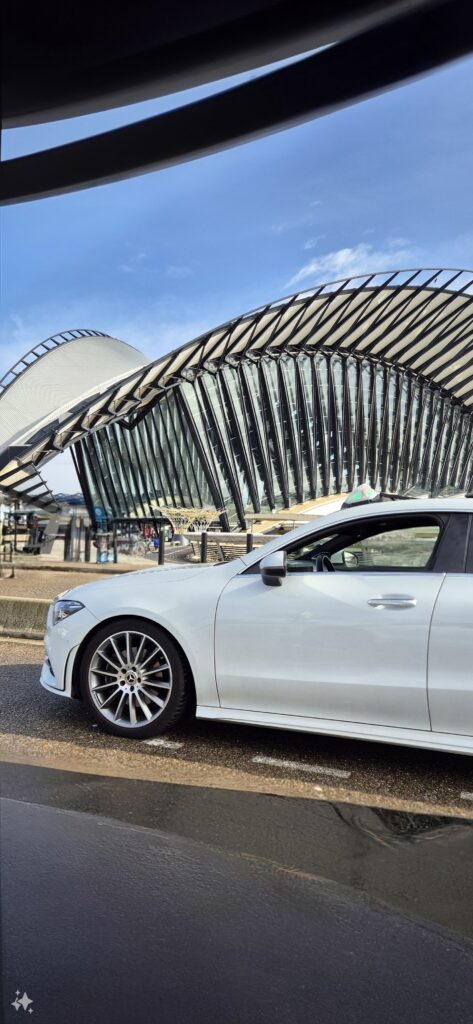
{"points": [[201, 881], [132, 901], [415, 863]]}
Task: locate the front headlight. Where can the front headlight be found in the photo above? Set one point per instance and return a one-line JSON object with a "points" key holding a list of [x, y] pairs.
{"points": [[62, 608]]}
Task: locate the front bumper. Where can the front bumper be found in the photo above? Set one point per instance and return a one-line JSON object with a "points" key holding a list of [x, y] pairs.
{"points": [[49, 681], [61, 643]]}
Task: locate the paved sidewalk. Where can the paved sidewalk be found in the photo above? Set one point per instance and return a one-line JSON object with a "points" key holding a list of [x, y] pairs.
{"points": [[45, 584]]}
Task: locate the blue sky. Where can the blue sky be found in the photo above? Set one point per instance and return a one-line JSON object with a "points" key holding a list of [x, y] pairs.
{"points": [[155, 260]]}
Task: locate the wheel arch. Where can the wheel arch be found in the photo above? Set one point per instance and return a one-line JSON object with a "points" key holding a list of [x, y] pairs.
{"points": [[75, 681]]}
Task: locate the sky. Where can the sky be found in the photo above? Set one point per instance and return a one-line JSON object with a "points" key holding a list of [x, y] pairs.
{"points": [[156, 260]]}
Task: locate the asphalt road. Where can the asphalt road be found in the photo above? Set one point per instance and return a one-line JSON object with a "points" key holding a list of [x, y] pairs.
{"points": [[170, 882], [42, 729], [111, 922]]}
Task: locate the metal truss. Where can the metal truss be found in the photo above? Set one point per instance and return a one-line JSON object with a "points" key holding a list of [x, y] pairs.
{"points": [[320, 423], [367, 378]]}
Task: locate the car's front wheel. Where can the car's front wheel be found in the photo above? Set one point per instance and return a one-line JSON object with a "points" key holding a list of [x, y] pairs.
{"points": [[133, 679]]}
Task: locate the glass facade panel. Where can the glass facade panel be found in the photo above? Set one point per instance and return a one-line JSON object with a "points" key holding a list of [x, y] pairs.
{"points": [[306, 425], [370, 378], [272, 432]]}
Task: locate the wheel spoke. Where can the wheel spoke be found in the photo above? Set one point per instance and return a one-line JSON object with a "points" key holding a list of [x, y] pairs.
{"points": [[154, 654], [104, 686], [140, 648], [102, 672], [127, 648], [162, 685], [117, 652], [131, 709], [152, 696], [144, 707], [120, 705], [156, 671], [110, 698], [106, 658]]}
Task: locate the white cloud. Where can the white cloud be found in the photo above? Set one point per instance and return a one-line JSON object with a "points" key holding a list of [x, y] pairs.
{"points": [[280, 227], [395, 253], [363, 258], [177, 273], [305, 218], [133, 264], [313, 242]]}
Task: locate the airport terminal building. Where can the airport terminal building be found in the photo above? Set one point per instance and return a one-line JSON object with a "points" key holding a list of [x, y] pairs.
{"points": [[369, 378]]}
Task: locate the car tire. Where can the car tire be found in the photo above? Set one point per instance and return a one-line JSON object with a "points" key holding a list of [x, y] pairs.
{"points": [[101, 665]]}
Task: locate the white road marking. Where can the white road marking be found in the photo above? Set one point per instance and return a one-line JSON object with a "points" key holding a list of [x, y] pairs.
{"points": [[161, 742], [317, 769], [466, 796]]}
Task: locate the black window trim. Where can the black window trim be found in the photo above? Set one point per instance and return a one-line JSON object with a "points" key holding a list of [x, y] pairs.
{"points": [[444, 558], [469, 548]]}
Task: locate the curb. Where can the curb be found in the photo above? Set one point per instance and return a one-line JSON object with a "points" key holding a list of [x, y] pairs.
{"points": [[23, 617], [98, 569]]}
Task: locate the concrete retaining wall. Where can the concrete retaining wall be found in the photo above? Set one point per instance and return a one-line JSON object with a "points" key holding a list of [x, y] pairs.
{"points": [[23, 617]]}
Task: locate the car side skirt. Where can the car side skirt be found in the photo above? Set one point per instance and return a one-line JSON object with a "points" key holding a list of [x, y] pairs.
{"points": [[351, 730]]}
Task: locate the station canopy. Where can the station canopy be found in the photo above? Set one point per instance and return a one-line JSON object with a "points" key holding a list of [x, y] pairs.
{"points": [[418, 321]]}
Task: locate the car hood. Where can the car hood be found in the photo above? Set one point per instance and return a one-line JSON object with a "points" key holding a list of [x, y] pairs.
{"points": [[155, 577]]}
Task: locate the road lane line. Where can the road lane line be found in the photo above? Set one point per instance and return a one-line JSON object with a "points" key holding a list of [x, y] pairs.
{"points": [[317, 769], [161, 742]]}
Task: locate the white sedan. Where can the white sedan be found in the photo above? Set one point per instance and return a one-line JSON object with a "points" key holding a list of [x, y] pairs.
{"points": [[359, 625]]}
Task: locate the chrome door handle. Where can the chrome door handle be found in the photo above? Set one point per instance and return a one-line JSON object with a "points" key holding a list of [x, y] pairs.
{"points": [[393, 601]]}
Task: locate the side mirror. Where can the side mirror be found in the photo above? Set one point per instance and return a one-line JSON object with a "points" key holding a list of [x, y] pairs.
{"points": [[350, 559], [273, 568]]}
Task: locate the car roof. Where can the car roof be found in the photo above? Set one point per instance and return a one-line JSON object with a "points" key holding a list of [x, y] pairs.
{"points": [[374, 509]]}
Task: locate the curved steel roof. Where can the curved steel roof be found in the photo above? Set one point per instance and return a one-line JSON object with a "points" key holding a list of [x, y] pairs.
{"points": [[40, 350], [51, 378], [420, 321]]}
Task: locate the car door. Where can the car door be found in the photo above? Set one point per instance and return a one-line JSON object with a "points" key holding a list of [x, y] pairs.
{"points": [[348, 645], [450, 665]]}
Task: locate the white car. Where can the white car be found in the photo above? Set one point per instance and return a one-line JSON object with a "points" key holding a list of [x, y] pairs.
{"points": [[359, 625]]}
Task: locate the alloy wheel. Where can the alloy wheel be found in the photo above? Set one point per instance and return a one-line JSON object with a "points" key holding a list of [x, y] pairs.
{"points": [[130, 679]]}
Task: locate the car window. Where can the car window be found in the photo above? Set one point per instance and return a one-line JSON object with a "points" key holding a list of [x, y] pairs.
{"points": [[394, 549], [380, 546]]}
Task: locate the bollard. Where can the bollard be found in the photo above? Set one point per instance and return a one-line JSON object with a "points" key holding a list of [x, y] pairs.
{"points": [[249, 542], [203, 546], [87, 544], [161, 547], [67, 542]]}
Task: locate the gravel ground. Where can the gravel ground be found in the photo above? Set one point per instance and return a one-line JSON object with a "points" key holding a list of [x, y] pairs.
{"points": [[44, 584]]}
